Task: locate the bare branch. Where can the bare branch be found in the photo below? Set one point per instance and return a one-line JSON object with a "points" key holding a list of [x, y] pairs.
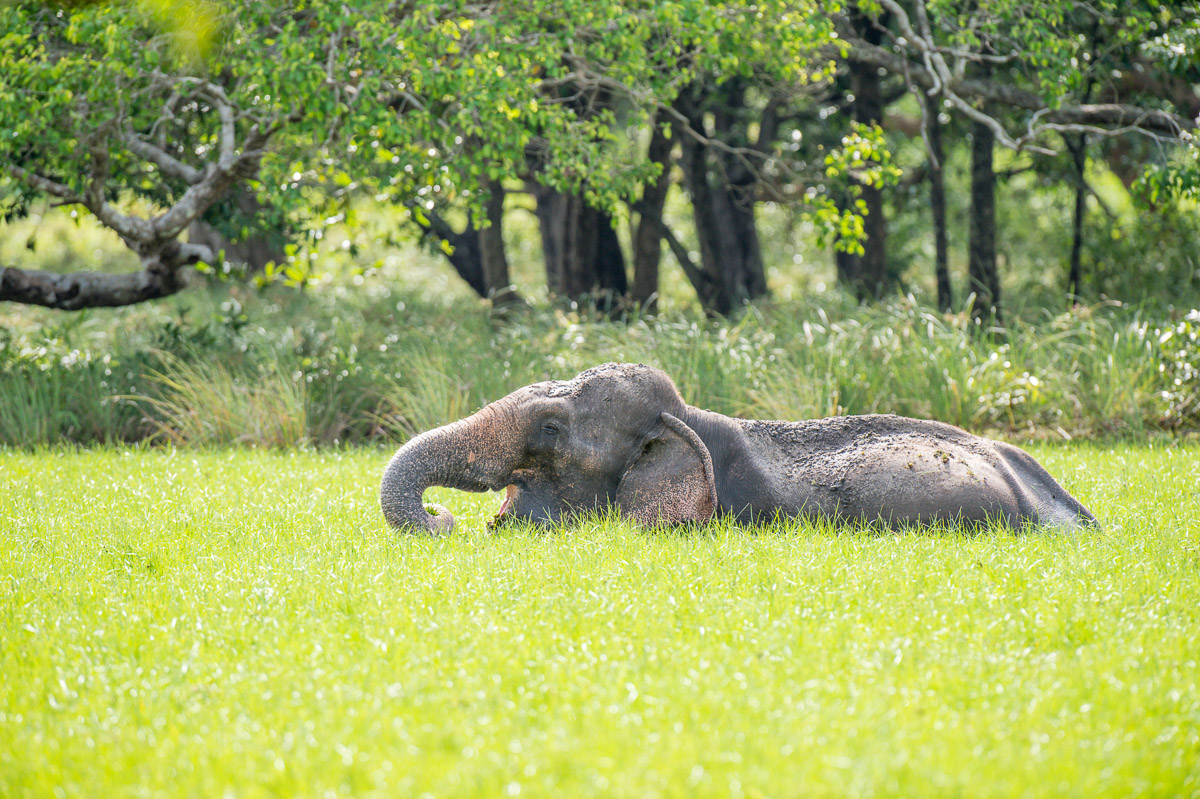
{"points": [[46, 185], [78, 290], [1107, 119], [170, 166], [228, 140], [129, 228]]}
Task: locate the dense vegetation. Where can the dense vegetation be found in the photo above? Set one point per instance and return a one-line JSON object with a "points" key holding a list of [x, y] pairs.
{"points": [[356, 360], [254, 127]]}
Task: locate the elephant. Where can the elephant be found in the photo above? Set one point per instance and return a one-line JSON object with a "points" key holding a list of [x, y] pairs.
{"points": [[621, 435]]}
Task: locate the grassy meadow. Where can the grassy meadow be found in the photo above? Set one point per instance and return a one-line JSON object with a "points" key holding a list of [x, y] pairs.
{"points": [[239, 622]]}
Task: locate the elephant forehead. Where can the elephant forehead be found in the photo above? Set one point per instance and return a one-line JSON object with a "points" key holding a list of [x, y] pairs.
{"points": [[611, 381]]}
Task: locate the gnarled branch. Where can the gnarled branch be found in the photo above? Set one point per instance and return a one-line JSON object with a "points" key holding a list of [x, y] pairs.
{"points": [[159, 277]]}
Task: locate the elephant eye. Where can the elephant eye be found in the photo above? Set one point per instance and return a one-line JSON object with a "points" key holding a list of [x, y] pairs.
{"points": [[550, 429]]}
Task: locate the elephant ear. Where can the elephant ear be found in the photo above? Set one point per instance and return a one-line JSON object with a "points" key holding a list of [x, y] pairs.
{"points": [[671, 479]]}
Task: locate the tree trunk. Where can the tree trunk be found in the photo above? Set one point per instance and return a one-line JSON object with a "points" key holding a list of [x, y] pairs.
{"points": [[477, 253], [1078, 149], [722, 208], [493, 262], [253, 252], [937, 204], [579, 244], [867, 274], [464, 253], [982, 257], [734, 195], [647, 237]]}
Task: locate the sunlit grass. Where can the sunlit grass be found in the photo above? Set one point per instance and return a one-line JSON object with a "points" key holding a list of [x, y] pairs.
{"points": [[242, 622]]}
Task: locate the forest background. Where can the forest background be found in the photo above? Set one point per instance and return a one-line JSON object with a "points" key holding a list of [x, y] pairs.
{"points": [[326, 223]]}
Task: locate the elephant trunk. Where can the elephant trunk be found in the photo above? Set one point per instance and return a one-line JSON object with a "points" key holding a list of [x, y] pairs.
{"points": [[469, 455]]}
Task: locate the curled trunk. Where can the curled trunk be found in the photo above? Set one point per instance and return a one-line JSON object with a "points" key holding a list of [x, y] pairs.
{"points": [[468, 455]]}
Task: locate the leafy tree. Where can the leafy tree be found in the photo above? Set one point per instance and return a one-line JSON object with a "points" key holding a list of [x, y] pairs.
{"points": [[1029, 76], [298, 103]]}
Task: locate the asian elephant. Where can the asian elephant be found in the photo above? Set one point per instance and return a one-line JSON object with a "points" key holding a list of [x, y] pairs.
{"points": [[621, 435]]}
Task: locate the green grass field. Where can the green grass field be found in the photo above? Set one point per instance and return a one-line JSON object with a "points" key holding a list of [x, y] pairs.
{"points": [[241, 623]]}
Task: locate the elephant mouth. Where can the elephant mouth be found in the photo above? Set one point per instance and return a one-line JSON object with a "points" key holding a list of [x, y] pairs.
{"points": [[506, 511]]}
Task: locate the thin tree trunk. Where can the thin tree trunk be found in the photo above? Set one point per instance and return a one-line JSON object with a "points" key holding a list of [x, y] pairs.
{"points": [[700, 279], [867, 273], [493, 261], [647, 237], [982, 256], [722, 207], [734, 195], [612, 282], [716, 296], [551, 210], [1075, 272], [937, 205]]}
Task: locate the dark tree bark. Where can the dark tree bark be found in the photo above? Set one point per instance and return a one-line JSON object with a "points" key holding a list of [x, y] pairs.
{"points": [[723, 201], [579, 244], [647, 236], [493, 261], [464, 246], [982, 256], [477, 253], [1078, 149], [937, 204], [867, 274]]}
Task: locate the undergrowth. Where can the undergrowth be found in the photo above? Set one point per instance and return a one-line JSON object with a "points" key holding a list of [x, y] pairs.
{"points": [[337, 365]]}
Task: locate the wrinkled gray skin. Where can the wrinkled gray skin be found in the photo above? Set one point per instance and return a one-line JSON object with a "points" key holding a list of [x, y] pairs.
{"points": [[620, 434]]}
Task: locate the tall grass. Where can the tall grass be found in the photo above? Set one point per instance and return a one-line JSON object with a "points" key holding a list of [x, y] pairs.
{"points": [[335, 366], [203, 402]]}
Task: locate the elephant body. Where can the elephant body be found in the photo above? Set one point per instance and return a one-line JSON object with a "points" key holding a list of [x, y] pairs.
{"points": [[900, 470], [621, 435]]}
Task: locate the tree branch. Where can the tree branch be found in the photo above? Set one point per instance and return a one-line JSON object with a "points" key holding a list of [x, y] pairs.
{"points": [[78, 290], [697, 276], [935, 76], [129, 228], [217, 178], [170, 166]]}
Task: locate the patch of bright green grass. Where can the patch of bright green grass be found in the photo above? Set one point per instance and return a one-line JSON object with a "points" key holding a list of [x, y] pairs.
{"points": [[243, 623]]}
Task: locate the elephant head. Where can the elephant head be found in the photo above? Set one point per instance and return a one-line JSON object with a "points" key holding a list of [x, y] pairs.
{"points": [[611, 436]]}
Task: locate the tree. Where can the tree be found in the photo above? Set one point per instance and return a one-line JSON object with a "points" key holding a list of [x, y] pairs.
{"points": [[932, 132], [1022, 75], [866, 273], [83, 148], [297, 104], [647, 234]]}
